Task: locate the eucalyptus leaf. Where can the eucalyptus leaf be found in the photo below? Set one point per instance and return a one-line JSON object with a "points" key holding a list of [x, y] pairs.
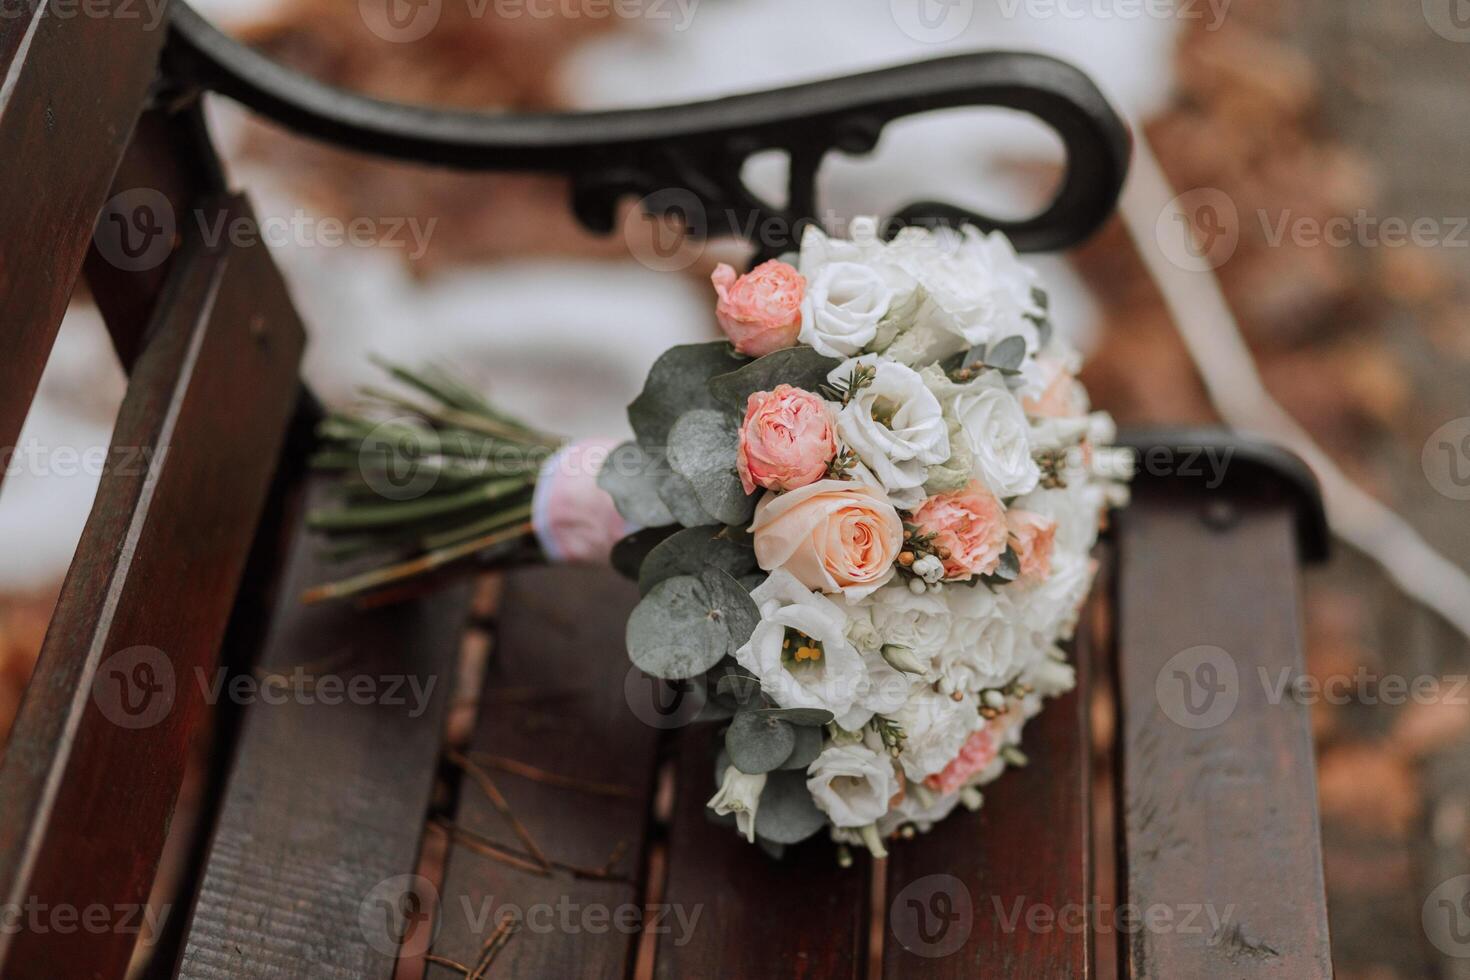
{"points": [[629, 554], [800, 367], [681, 630], [773, 850], [702, 449], [800, 716], [688, 551], [678, 382], [808, 747], [758, 743], [732, 605], [633, 477], [1007, 354], [677, 494], [787, 813]]}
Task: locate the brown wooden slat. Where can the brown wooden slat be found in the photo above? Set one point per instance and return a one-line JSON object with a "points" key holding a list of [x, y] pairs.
{"points": [[71, 87], [1019, 865], [554, 699], [799, 917], [89, 783], [326, 798], [1219, 811]]}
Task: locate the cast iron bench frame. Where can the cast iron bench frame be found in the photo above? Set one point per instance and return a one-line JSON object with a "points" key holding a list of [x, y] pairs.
{"points": [[308, 809]]}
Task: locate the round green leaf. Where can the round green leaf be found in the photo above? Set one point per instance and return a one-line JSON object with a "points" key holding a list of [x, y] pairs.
{"points": [[808, 747], [629, 554], [689, 551], [679, 497], [676, 632], [633, 478], [758, 743], [787, 813], [678, 381], [800, 367], [702, 448], [800, 716], [733, 605]]}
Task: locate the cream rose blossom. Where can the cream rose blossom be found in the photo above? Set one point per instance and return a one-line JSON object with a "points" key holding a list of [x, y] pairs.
{"points": [[786, 440], [760, 311], [832, 535]]}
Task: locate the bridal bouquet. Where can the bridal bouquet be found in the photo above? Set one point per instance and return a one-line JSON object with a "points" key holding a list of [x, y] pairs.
{"points": [[861, 527]]}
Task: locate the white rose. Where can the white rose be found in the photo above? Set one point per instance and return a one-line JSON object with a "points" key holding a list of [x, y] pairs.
{"points": [[995, 431], [833, 680], [894, 424], [851, 286], [935, 727], [1050, 676], [974, 285], [739, 794], [852, 784], [989, 434]]}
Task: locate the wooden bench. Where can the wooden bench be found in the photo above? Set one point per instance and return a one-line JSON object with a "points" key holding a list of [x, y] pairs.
{"points": [[1165, 826]]}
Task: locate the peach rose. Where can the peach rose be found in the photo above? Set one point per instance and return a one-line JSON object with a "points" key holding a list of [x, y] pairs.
{"points": [[760, 311], [969, 527], [1032, 537], [978, 752], [832, 535], [786, 440]]}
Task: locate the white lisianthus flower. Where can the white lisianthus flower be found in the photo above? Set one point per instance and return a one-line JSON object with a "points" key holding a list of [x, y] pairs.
{"points": [[919, 622], [829, 674], [852, 784], [974, 285], [921, 807], [740, 794], [894, 424], [884, 690], [935, 727]]}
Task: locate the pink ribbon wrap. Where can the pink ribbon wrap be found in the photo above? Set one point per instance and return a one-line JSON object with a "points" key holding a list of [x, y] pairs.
{"points": [[574, 519]]}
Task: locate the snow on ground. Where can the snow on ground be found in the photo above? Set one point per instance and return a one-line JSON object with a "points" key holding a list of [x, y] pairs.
{"points": [[569, 342]]}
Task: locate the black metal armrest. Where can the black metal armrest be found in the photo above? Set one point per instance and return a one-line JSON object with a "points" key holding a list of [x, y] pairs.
{"points": [[698, 148]]}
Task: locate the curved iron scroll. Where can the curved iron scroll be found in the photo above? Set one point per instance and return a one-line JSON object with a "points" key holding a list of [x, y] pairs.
{"points": [[693, 153]]}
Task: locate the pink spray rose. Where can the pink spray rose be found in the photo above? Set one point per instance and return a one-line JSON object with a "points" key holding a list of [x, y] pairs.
{"points": [[760, 311], [969, 527], [1032, 537], [786, 440], [832, 535], [978, 752]]}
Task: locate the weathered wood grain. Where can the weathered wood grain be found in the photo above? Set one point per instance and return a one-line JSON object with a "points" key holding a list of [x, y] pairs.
{"points": [[1218, 792], [1005, 891], [101, 742], [800, 917], [71, 87], [555, 699]]}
